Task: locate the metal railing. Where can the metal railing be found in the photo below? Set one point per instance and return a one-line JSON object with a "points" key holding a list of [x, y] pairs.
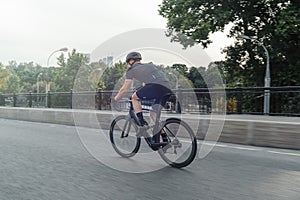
{"points": [[239, 100]]}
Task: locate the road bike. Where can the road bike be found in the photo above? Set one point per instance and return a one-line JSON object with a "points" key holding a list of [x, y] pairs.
{"points": [[177, 148]]}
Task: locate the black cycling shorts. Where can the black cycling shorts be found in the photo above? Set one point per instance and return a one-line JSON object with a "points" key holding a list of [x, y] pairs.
{"points": [[154, 92]]}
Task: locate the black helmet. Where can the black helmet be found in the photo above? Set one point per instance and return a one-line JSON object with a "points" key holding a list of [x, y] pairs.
{"points": [[133, 56]]}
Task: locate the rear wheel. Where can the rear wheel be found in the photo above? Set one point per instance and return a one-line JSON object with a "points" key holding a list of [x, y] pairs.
{"points": [[182, 147], [123, 136]]}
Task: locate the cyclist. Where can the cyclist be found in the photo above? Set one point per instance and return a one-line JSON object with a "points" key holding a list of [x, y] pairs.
{"points": [[155, 85]]}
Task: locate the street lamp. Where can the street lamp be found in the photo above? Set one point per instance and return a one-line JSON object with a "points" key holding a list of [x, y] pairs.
{"points": [[267, 75], [38, 88], [62, 49], [47, 76]]}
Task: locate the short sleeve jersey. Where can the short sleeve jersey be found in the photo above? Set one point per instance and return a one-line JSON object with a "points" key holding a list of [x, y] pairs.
{"points": [[147, 73]]}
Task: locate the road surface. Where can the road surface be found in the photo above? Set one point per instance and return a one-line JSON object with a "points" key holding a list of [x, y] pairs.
{"points": [[48, 161]]}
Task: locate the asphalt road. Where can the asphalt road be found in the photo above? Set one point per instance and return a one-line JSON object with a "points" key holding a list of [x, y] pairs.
{"points": [[46, 161]]}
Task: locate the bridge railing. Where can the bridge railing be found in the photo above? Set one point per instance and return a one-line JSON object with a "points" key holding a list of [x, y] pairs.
{"points": [[239, 100]]}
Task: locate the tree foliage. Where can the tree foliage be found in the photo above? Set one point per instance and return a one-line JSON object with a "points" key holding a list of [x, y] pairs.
{"points": [[275, 23], [9, 82], [67, 72], [112, 76], [4, 77]]}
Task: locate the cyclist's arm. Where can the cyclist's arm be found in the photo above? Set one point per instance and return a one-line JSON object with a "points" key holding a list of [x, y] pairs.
{"points": [[124, 89]]}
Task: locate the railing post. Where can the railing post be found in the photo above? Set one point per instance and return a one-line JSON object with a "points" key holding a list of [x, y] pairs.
{"points": [[30, 100], [239, 98], [99, 94], [48, 97], [71, 98], [267, 100], [2, 100], [178, 107], [14, 100]]}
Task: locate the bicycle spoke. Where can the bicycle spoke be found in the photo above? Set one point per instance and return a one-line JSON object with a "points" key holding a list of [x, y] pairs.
{"points": [[123, 137], [182, 148]]}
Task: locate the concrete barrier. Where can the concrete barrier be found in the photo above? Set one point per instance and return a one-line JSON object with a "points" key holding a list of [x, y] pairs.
{"points": [[271, 131]]}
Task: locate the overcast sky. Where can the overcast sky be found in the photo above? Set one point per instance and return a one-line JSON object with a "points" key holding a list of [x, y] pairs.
{"points": [[32, 29]]}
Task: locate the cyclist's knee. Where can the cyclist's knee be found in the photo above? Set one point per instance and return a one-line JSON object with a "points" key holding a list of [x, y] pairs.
{"points": [[135, 97]]}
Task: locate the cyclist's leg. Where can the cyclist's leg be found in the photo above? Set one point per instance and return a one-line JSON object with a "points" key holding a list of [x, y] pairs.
{"points": [[151, 92], [147, 92], [161, 132], [157, 107], [137, 107], [136, 103], [159, 104]]}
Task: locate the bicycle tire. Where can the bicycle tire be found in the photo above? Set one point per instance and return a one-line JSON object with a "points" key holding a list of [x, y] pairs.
{"points": [[180, 132], [125, 146]]}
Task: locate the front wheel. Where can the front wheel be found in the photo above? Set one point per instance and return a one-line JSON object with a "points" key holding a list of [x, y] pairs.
{"points": [[182, 147], [123, 136]]}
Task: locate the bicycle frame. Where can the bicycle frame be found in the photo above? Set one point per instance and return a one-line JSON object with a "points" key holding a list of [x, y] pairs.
{"points": [[156, 127], [167, 149]]}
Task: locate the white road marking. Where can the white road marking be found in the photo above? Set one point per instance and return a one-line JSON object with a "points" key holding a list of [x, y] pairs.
{"points": [[244, 148], [284, 153], [265, 121], [249, 148]]}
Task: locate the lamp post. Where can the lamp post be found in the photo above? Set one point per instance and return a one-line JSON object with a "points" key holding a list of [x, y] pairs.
{"points": [[267, 75], [47, 76], [38, 88], [176, 88]]}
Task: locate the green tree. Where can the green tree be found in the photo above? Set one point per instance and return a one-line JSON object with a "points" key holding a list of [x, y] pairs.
{"points": [[275, 23], [4, 76], [13, 84], [195, 75], [96, 75], [65, 76], [9, 82], [113, 77], [181, 68], [24, 76]]}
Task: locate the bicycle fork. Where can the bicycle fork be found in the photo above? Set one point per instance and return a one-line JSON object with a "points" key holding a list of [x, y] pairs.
{"points": [[126, 128]]}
